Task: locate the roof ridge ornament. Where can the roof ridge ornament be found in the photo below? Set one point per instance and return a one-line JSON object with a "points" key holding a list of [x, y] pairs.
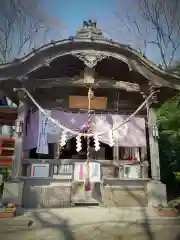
{"points": [[89, 30]]}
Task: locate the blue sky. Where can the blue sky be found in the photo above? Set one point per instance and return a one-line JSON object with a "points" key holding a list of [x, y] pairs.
{"points": [[72, 13], [64, 17]]}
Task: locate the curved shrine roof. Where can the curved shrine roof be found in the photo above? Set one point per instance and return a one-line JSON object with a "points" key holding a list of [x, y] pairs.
{"points": [[89, 43]]}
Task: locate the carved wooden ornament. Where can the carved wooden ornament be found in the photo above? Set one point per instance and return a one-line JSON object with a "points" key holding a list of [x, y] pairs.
{"points": [[90, 59]]}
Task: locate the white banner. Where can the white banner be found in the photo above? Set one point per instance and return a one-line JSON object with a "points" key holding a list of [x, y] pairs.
{"points": [[132, 134], [42, 144]]}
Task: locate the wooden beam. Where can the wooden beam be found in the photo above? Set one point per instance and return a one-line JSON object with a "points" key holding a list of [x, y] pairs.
{"points": [[28, 161], [79, 81]]}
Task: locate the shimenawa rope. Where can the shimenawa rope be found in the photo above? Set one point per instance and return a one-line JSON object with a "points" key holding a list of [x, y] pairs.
{"points": [[78, 133]]}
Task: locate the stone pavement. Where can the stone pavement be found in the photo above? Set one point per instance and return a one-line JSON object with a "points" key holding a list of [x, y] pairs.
{"points": [[93, 215], [91, 223]]}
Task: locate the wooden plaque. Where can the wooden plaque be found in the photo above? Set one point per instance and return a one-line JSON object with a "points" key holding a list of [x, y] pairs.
{"points": [[82, 102]]}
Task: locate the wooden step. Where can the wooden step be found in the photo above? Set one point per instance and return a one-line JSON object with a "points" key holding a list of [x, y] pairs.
{"points": [[8, 122], [7, 139], [5, 158], [8, 115], [5, 109], [7, 145], [6, 163], [9, 212], [6, 148]]}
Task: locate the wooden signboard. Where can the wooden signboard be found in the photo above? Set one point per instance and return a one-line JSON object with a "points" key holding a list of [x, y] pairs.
{"points": [[82, 102]]}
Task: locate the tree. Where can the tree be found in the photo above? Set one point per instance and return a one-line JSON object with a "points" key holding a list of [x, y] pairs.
{"points": [[23, 25], [169, 142], [175, 68], [156, 23]]}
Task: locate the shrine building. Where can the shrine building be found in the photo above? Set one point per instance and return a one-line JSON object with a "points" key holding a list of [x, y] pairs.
{"points": [[86, 112]]}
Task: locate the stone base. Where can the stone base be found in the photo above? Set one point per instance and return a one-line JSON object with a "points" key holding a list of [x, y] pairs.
{"points": [[125, 192], [46, 193], [12, 193], [124, 197], [157, 195], [80, 196]]}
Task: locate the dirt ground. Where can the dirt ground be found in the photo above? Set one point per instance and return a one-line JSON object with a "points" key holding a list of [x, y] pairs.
{"points": [[100, 232], [86, 224]]}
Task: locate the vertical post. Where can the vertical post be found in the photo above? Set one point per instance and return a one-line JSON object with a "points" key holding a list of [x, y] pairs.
{"points": [[116, 154], [156, 190], [89, 74], [17, 158], [87, 180], [153, 145], [144, 164], [116, 160], [89, 124]]}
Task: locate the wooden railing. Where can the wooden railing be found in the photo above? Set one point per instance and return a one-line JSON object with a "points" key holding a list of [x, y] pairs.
{"points": [[6, 151]]}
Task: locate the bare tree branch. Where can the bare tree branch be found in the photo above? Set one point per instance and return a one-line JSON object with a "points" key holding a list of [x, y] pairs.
{"points": [[157, 22], [22, 25]]}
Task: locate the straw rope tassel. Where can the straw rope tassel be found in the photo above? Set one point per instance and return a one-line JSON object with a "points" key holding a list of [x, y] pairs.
{"points": [[87, 179]]}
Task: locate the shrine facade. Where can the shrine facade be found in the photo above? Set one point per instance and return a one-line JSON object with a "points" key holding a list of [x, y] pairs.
{"points": [[59, 126]]}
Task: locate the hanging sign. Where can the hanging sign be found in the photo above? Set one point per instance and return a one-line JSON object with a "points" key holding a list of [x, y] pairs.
{"points": [[80, 171], [82, 102], [42, 144]]}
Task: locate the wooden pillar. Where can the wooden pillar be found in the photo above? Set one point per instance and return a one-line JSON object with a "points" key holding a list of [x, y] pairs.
{"points": [[56, 150], [153, 145], [116, 154], [89, 75], [17, 158], [116, 162]]}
